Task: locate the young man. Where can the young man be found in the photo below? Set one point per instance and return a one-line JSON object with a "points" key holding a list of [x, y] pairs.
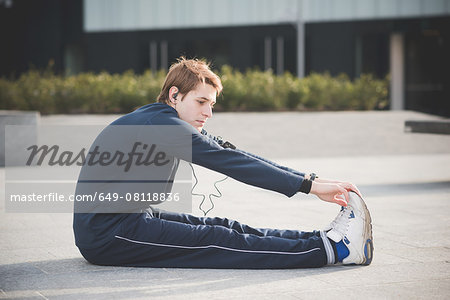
{"points": [[146, 237]]}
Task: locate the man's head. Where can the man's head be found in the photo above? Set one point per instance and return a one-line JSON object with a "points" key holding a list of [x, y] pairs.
{"points": [[191, 88]]}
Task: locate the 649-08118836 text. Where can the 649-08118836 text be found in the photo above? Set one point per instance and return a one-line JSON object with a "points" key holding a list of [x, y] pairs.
{"points": [[102, 197]]}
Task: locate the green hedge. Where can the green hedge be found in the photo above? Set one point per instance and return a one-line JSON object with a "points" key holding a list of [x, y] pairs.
{"points": [[253, 90]]}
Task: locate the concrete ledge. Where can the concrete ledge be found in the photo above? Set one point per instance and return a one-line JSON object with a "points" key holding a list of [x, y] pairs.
{"points": [[14, 117], [438, 126]]}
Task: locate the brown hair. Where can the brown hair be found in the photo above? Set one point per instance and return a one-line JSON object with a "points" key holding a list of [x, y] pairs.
{"points": [[186, 74]]}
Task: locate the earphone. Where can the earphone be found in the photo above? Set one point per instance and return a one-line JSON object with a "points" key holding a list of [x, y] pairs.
{"points": [[225, 145], [219, 195], [175, 95]]}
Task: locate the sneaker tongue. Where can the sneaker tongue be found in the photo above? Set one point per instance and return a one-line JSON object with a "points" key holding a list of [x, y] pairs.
{"points": [[333, 235], [328, 228]]}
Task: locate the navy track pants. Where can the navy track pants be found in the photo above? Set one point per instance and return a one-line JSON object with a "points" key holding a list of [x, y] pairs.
{"points": [[171, 240]]}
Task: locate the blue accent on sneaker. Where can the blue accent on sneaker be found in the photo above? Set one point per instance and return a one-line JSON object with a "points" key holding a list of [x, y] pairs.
{"points": [[368, 252], [346, 240], [342, 251], [352, 215]]}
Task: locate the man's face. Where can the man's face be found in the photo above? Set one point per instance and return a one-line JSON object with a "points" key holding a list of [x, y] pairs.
{"points": [[196, 106]]}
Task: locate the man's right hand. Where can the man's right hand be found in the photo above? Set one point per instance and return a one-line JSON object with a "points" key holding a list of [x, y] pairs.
{"points": [[334, 192]]}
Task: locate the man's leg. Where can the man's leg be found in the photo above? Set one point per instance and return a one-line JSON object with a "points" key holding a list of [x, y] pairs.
{"points": [[149, 241], [228, 223]]}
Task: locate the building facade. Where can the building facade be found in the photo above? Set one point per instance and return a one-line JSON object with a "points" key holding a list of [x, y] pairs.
{"points": [[407, 39]]}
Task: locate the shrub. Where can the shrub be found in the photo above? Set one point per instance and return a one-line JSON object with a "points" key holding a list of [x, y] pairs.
{"points": [[253, 90]]}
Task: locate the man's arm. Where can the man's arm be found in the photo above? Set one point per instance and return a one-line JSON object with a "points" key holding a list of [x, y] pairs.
{"points": [[243, 167], [220, 141], [327, 190]]}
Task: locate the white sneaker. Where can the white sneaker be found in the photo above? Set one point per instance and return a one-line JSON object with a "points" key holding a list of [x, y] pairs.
{"points": [[353, 226]]}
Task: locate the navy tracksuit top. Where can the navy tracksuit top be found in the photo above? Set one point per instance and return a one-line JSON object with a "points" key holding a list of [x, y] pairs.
{"points": [[92, 230]]}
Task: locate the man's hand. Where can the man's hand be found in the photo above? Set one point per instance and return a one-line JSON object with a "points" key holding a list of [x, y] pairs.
{"points": [[333, 191]]}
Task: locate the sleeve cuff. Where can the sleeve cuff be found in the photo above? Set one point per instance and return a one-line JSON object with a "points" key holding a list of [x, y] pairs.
{"points": [[305, 187]]}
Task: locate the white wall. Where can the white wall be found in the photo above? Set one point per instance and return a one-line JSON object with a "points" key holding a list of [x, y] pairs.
{"points": [[119, 15]]}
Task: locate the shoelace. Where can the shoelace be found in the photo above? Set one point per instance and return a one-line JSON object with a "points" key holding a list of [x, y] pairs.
{"points": [[333, 223], [340, 223]]}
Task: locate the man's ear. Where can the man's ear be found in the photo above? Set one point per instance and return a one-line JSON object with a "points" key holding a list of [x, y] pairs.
{"points": [[173, 93]]}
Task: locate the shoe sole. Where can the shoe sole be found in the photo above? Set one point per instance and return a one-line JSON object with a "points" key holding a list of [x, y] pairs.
{"points": [[368, 245]]}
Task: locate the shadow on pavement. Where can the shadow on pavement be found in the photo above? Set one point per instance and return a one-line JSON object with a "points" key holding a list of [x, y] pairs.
{"points": [[77, 278]]}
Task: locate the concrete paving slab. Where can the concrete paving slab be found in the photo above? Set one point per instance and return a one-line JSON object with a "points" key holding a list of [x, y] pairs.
{"points": [[405, 178]]}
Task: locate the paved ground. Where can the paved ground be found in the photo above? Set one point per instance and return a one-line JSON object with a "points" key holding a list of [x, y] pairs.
{"points": [[405, 179]]}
